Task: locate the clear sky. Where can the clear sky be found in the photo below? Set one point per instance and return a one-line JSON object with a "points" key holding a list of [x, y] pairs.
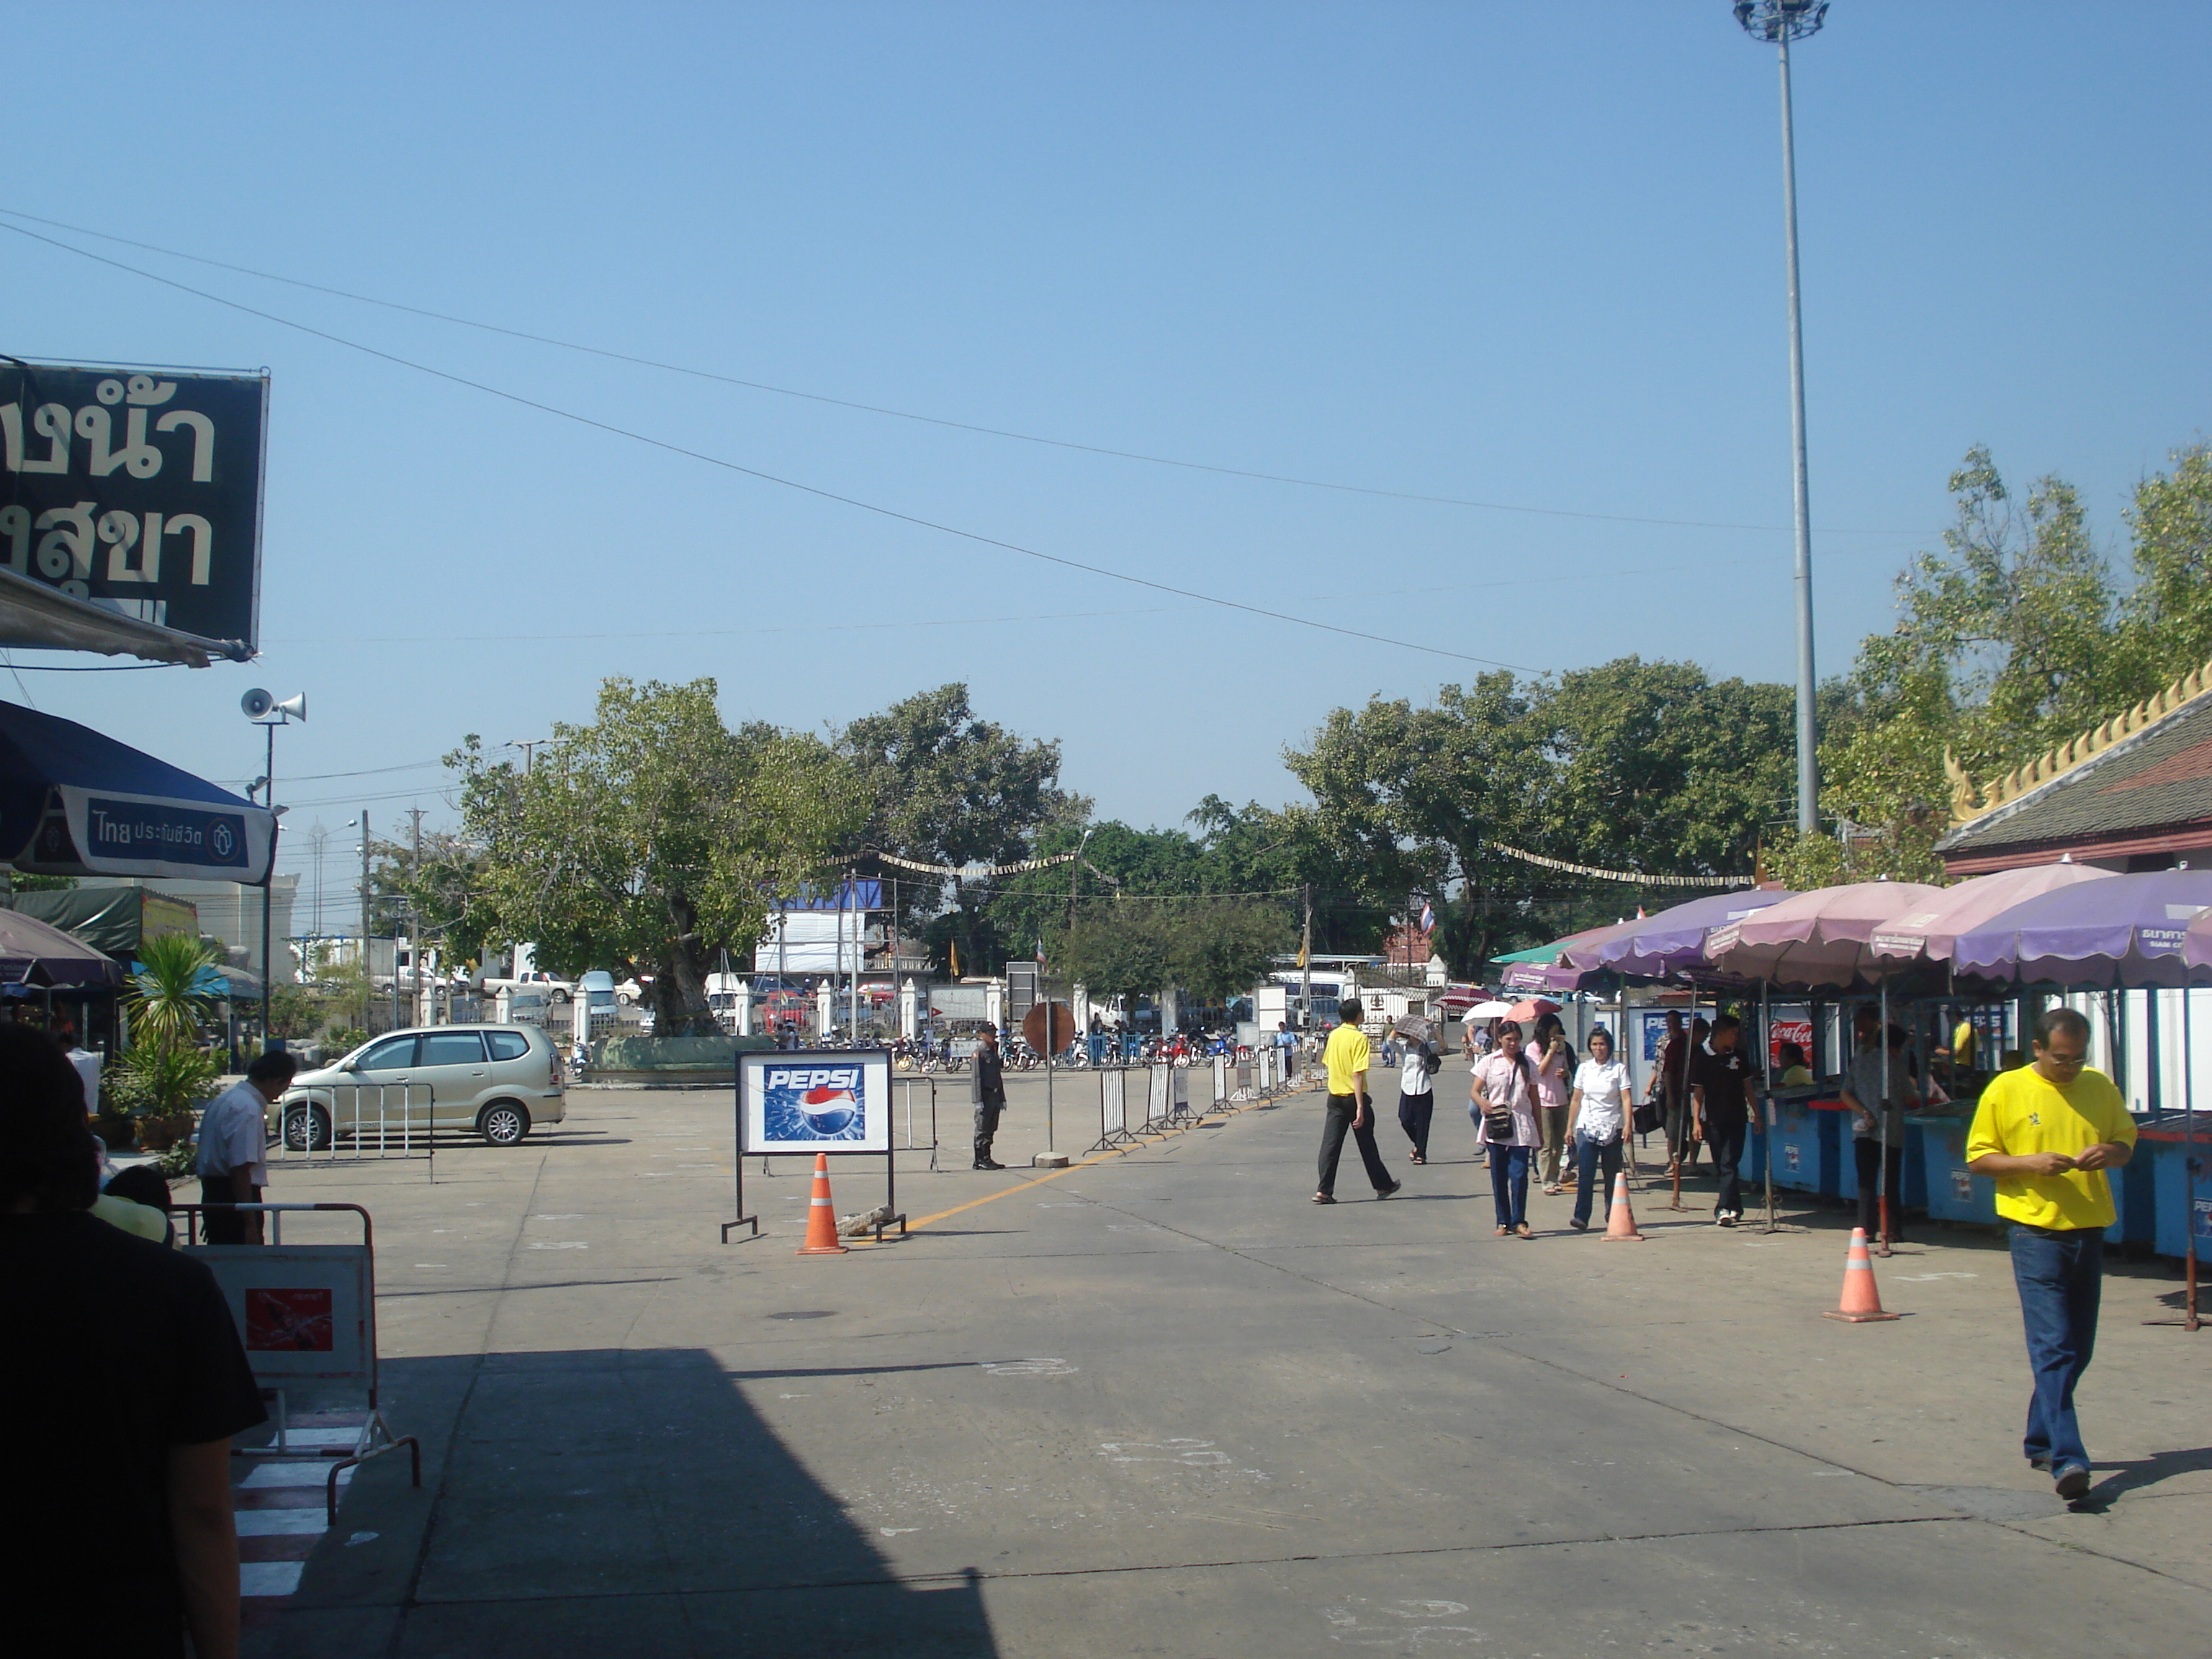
{"points": [[1525, 255]]}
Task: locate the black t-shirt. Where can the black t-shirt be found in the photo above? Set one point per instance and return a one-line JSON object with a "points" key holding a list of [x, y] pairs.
{"points": [[1727, 1079], [118, 1349]]}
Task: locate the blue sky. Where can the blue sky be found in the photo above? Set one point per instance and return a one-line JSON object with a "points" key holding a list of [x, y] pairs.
{"points": [[1523, 255]]}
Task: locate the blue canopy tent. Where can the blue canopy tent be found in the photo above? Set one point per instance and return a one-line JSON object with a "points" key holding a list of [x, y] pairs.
{"points": [[75, 803]]}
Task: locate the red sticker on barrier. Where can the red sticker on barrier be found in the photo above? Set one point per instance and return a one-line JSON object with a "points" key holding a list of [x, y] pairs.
{"points": [[290, 1322]]}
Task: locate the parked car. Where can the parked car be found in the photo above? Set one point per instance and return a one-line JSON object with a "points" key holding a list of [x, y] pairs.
{"points": [[500, 1080]]}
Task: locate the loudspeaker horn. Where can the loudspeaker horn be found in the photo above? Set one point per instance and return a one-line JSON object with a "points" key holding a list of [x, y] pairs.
{"points": [[256, 703], [296, 706]]}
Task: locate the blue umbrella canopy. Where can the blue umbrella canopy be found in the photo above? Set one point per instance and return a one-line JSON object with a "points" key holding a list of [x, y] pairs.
{"points": [[75, 803]]}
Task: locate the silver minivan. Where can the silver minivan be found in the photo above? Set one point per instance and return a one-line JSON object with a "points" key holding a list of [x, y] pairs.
{"points": [[499, 1081]]}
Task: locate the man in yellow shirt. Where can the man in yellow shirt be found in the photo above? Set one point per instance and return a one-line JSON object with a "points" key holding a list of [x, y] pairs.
{"points": [[1347, 1056], [2047, 1133]]}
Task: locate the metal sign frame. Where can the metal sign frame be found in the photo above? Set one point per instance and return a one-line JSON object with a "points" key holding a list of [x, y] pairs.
{"points": [[752, 1105]]}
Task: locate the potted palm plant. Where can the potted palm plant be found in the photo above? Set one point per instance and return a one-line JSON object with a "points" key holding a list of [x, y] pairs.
{"points": [[166, 1075]]}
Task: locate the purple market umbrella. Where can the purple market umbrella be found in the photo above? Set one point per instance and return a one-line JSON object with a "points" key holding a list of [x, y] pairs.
{"points": [[1931, 929], [2126, 933], [1673, 941]]}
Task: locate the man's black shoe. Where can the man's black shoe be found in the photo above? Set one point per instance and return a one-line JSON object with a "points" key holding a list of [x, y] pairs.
{"points": [[2073, 1482], [985, 1164], [1389, 1189]]}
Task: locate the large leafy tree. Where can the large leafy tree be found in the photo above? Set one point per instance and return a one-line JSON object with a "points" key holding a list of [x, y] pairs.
{"points": [[941, 785], [653, 837], [2167, 618]]}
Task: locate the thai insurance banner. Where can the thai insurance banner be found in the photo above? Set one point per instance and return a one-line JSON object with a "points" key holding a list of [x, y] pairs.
{"points": [[137, 489], [814, 1100]]}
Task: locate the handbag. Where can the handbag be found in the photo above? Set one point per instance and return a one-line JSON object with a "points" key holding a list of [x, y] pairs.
{"points": [[1646, 1119]]}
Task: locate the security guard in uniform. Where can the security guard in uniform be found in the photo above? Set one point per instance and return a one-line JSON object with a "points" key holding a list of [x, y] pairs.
{"points": [[988, 1089]]}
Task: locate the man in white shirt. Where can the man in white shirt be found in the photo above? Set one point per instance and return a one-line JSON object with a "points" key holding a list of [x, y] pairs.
{"points": [[233, 1141]]}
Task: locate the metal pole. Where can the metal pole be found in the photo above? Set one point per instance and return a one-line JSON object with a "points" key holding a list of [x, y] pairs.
{"points": [[368, 977], [268, 881], [1808, 775], [1881, 1172]]}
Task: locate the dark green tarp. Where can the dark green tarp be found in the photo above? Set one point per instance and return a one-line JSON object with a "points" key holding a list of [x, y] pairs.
{"points": [[116, 920]]}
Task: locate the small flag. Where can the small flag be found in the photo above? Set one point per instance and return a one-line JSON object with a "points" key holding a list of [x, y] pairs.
{"points": [[1428, 917], [1302, 955], [1040, 953], [952, 956]]}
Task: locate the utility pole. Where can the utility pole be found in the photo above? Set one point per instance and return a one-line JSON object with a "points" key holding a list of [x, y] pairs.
{"points": [[368, 975], [1781, 22], [415, 931]]}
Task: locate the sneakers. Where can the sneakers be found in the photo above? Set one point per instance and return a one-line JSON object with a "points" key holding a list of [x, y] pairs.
{"points": [[2073, 1482], [1324, 1198], [1727, 1219], [1579, 1226]]}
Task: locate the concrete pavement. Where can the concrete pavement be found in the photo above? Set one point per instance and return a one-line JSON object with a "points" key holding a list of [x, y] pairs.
{"points": [[1159, 1403]]}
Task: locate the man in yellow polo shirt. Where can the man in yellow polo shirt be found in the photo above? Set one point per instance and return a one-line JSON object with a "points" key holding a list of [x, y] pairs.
{"points": [[1347, 1056], [2048, 1133]]}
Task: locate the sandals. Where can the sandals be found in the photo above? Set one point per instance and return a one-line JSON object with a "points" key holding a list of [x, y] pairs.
{"points": [[1505, 1232], [1417, 1158], [1526, 1230]]}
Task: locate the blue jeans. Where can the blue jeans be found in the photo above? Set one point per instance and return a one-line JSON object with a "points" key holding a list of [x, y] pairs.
{"points": [[1588, 1155], [1509, 1183], [2060, 1274]]}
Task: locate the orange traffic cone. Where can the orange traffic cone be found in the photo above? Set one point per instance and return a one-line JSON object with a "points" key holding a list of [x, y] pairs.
{"points": [[821, 1216], [1861, 1302], [1621, 1221]]}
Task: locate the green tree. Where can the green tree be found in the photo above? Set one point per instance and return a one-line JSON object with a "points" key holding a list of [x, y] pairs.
{"points": [[652, 838], [942, 787], [2167, 617], [1220, 948], [172, 994]]}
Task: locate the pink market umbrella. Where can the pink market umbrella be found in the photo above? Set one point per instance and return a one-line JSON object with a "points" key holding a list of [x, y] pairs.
{"points": [[2197, 943], [1530, 1008], [1931, 930], [2127, 932], [1818, 938]]}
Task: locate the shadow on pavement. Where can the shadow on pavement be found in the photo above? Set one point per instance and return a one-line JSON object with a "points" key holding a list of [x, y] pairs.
{"points": [[605, 1501], [2143, 1472]]}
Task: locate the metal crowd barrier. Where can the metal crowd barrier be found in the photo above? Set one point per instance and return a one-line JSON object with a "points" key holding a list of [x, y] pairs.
{"points": [[930, 1082], [377, 1120]]}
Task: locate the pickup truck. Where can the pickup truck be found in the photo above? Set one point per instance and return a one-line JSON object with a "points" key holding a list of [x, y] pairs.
{"points": [[557, 991]]}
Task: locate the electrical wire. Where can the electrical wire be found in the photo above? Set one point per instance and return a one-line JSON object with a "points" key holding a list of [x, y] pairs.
{"points": [[815, 490], [910, 414]]}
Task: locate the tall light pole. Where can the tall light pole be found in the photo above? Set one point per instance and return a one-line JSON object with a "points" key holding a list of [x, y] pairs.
{"points": [[1781, 21], [258, 706]]}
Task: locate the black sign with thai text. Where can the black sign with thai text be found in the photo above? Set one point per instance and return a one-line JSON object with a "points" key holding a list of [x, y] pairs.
{"points": [[137, 489]]}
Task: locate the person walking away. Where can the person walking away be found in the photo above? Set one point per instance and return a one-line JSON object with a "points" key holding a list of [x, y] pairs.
{"points": [[1345, 1058], [1597, 1121], [2047, 1133], [1503, 1107], [986, 1090], [233, 1162], [1878, 1121], [123, 1384], [1417, 1099], [1555, 1082], [1670, 1088], [1721, 1079]]}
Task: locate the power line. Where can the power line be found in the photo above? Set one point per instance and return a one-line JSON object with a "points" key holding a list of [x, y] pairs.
{"points": [[901, 414], [815, 490]]}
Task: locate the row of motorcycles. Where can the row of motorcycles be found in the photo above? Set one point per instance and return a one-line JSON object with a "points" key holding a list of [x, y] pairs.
{"points": [[1180, 1048]]}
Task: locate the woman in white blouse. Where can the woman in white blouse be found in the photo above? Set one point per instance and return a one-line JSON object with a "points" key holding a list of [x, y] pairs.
{"points": [[1506, 1091], [1597, 1121]]}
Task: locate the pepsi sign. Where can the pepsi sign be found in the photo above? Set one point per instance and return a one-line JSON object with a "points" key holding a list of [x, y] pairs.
{"points": [[822, 1101]]}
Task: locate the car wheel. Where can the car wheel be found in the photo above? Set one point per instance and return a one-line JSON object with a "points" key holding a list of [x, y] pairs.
{"points": [[504, 1122], [306, 1129], [560, 999], [622, 999]]}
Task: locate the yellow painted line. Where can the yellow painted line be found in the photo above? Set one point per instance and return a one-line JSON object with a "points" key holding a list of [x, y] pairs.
{"points": [[1008, 1192]]}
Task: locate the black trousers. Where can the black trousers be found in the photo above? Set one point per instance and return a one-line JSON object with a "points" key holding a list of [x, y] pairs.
{"points": [[1866, 1152], [1725, 1142], [987, 1126], [1414, 1112], [220, 1226], [1341, 1108]]}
